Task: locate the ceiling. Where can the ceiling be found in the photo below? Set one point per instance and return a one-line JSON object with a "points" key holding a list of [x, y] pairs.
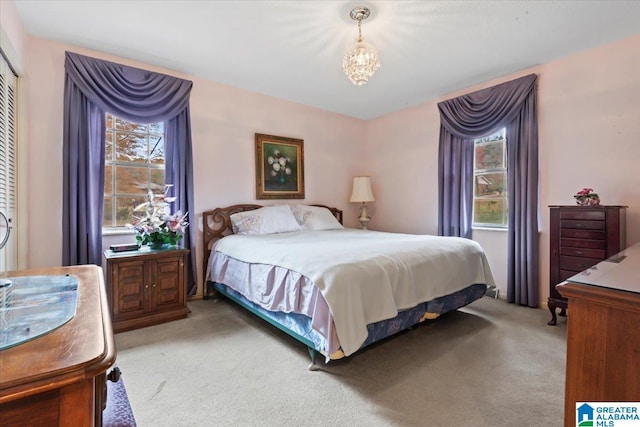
{"points": [[293, 49]]}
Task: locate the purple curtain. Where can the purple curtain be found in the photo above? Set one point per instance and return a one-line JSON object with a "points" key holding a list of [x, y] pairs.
{"points": [[455, 185], [178, 171], [93, 87], [511, 105]]}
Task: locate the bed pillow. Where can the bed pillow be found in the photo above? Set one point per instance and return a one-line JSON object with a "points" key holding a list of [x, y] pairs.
{"points": [[315, 218], [266, 220]]}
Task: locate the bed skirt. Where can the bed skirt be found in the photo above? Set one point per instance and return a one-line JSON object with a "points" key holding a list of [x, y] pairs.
{"points": [[299, 325]]}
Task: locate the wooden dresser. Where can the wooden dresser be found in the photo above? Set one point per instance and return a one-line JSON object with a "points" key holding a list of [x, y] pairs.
{"points": [[603, 333], [58, 379], [580, 237], [146, 287]]}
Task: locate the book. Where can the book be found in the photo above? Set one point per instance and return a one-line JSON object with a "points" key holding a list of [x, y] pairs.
{"points": [[122, 247]]}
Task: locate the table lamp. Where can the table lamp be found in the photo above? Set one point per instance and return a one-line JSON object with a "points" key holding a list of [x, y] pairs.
{"points": [[362, 194]]}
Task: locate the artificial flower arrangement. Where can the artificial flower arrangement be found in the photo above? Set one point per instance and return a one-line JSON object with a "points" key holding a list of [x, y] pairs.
{"points": [[157, 227], [586, 197]]}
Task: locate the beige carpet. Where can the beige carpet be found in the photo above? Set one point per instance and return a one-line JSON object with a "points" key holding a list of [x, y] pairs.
{"points": [[489, 364]]}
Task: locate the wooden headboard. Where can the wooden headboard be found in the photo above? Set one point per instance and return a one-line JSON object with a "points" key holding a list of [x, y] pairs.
{"points": [[216, 224]]}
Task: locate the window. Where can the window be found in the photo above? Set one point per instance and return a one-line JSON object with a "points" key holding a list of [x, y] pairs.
{"points": [[490, 197], [134, 164]]}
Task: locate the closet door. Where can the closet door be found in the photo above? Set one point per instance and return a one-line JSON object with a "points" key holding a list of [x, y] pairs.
{"points": [[8, 161]]}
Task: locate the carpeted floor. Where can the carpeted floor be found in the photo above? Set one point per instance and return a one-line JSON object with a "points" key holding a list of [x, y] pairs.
{"points": [[489, 364]]}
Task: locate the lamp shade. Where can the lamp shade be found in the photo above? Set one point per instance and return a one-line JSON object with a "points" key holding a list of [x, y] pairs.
{"points": [[361, 190]]}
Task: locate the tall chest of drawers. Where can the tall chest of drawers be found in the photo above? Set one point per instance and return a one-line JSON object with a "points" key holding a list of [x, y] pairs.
{"points": [[581, 237]]}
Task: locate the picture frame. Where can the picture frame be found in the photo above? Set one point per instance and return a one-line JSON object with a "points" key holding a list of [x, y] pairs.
{"points": [[279, 167]]}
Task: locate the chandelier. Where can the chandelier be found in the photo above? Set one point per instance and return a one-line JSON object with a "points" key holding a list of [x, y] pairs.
{"points": [[361, 60]]}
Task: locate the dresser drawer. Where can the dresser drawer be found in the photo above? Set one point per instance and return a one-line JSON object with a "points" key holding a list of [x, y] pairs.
{"points": [[580, 252], [565, 274], [589, 215], [583, 234], [576, 263], [582, 224], [582, 243]]}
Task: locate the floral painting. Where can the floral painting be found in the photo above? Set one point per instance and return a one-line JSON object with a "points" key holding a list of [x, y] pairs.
{"points": [[279, 167]]}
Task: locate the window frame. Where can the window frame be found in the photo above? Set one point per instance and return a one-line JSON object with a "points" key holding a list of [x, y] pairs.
{"points": [[114, 163], [504, 196]]}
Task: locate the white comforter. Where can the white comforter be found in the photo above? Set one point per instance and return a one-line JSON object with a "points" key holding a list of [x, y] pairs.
{"points": [[367, 276]]}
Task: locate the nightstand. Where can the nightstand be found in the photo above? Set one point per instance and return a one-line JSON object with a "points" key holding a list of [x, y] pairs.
{"points": [[146, 287]]}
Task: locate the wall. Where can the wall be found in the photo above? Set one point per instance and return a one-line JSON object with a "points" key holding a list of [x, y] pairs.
{"points": [[589, 136], [224, 120]]}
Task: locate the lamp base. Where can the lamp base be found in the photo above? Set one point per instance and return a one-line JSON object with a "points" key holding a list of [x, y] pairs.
{"points": [[364, 216]]}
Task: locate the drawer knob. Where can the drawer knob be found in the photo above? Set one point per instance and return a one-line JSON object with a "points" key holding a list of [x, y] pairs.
{"points": [[579, 252], [153, 286]]}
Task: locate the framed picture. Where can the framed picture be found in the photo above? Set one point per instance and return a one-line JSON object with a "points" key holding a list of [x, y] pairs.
{"points": [[279, 167]]}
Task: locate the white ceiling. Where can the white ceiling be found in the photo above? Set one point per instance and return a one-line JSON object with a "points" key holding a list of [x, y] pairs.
{"points": [[293, 49]]}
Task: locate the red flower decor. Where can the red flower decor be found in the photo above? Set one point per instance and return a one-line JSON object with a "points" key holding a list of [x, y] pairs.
{"points": [[586, 197]]}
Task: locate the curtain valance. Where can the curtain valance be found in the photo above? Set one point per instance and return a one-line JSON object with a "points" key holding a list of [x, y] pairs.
{"points": [[131, 93], [485, 111]]}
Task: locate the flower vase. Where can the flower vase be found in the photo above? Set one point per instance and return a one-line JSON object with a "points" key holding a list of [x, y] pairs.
{"points": [[588, 201], [157, 244]]}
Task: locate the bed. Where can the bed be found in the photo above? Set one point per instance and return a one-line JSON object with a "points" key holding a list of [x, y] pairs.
{"points": [[335, 289]]}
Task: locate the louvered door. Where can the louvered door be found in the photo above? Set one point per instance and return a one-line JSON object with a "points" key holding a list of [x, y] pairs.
{"points": [[8, 161]]}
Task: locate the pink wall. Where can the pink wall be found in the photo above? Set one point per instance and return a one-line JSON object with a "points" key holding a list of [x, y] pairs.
{"points": [[589, 129], [12, 35], [224, 120], [589, 135]]}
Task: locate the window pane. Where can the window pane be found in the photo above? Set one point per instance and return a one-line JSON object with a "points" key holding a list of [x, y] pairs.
{"points": [[488, 211], [129, 126], [108, 179], [490, 184], [157, 180], [131, 147], [131, 180], [108, 153], [157, 128], [124, 208], [109, 124], [156, 150], [107, 217], [490, 155]]}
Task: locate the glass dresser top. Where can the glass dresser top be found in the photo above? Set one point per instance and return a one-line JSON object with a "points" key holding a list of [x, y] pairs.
{"points": [[621, 271], [31, 306]]}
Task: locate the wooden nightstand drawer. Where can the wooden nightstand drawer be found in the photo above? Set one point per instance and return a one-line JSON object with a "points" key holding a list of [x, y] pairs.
{"points": [[565, 274], [577, 264], [582, 243], [583, 224], [580, 252], [599, 215], [583, 234]]}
